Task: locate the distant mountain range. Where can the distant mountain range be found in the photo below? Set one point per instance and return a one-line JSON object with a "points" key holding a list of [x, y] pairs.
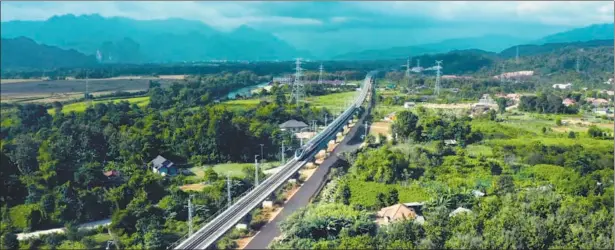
{"points": [[23, 53], [492, 43], [588, 33], [125, 40]]}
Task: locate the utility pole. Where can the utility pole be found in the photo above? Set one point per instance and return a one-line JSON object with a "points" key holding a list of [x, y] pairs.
{"points": [[228, 189], [438, 68], [325, 120], [517, 56], [320, 75], [365, 135], [256, 170], [190, 215], [191, 209], [283, 160], [262, 155]]}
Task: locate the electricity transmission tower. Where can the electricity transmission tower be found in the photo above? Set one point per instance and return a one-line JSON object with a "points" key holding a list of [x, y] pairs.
{"points": [[320, 75], [298, 86], [408, 68], [438, 68], [578, 66]]}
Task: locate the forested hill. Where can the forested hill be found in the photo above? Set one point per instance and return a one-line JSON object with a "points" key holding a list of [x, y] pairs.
{"points": [[595, 57], [23, 53], [531, 49]]}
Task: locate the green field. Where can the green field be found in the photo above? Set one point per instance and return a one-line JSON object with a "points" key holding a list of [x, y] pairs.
{"points": [[331, 102], [232, 169], [81, 106]]}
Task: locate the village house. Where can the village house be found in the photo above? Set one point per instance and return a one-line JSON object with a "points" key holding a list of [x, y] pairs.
{"points": [[293, 125], [395, 213], [600, 102], [162, 166], [568, 102]]}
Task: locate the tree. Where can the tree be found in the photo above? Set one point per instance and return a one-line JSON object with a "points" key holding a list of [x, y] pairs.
{"points": [[9, 241], [501, 105], [594, 132], [345, 194], [393, 197], [209, 175], [153, 239], [405, 123], [382, 200], [558, 121], [572, 135], [505, 184]]}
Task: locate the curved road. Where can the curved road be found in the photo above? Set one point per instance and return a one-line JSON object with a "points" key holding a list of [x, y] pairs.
{"points": [[309, 188]]}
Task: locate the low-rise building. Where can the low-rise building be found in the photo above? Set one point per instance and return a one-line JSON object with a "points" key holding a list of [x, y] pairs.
{"points": [[162, 166], [293, 125], [395, 213]]}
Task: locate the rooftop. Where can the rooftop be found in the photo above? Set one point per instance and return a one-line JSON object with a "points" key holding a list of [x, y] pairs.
{"points": [[293, 124]]}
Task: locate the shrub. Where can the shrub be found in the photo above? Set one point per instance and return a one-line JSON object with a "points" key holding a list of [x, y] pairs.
{"points": [[26, 217]]}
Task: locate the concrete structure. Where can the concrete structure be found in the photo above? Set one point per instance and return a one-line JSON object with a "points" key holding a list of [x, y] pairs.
{"points": [[515, 75]]}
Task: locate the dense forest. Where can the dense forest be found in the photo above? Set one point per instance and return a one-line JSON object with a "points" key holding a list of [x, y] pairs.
{"points": [[540, 191], [52, 166]]}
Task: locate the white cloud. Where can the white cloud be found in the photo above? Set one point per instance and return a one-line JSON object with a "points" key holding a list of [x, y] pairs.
{"points": [[222, 15], [227, 15]]}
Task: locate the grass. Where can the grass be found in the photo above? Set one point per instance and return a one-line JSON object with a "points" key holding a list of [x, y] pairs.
{"points": [[331, 102], [232, 169], [82, 106], [365, 193], [244, 104]]}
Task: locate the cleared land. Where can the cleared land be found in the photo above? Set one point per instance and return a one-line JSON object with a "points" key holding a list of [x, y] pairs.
{"points": [[62, 90]]}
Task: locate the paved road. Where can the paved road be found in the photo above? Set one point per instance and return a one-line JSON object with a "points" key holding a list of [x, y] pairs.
{"points": [[308, 190], [85, 226]]}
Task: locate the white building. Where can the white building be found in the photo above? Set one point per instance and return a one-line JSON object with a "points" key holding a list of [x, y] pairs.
{"points": [[562, 86]]}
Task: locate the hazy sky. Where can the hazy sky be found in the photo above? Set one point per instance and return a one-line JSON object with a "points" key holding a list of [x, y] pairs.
{"points": [[318, 15]]}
